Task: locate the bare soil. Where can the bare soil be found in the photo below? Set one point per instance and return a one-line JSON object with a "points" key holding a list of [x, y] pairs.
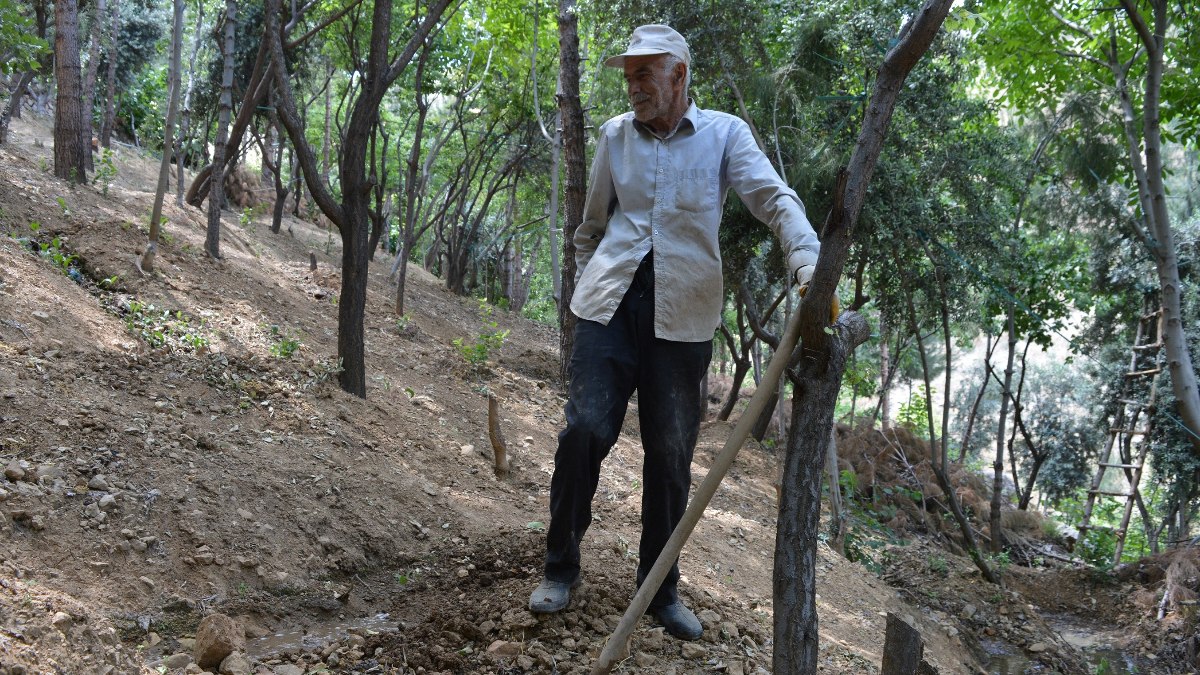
{"points": [[175, 445]]}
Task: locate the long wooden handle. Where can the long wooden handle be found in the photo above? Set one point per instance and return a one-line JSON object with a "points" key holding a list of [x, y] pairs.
{"points": [[617, 647]]}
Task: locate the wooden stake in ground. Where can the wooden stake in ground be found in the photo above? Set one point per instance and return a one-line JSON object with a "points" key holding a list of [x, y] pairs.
{"points": [[499, 446]]}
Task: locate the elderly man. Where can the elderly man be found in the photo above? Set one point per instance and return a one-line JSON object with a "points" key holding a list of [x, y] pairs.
{"points": [[649, 295]]}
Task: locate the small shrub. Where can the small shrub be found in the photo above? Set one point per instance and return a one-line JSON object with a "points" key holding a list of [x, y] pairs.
{"points": [[490, 338], [106, 171], [283, 345]]}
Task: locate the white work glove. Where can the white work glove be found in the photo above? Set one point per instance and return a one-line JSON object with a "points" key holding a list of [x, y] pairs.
{"points": [[803, 276]]}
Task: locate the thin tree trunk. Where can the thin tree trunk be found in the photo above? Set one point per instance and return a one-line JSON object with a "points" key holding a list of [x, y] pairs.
{"points": [[110, 77], [817, 378], [571, 113], [186, 122], [14, 104], [351, 216], [998, 464], [89, 80], [216, 192], [164, 169]]}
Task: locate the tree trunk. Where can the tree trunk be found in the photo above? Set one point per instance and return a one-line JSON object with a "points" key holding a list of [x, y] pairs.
{"points": [[998, 464], [164, 169], [89, 80], [14, 104], [817, 378], [110, 77], [1152, 196], [70, 155], [216, 179], [185, 130], [351, 216], [571, 112], [256, 92]]}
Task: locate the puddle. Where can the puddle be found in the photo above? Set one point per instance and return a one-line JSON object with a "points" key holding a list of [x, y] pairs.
{"points": [[1097, 645], [317, 636]]}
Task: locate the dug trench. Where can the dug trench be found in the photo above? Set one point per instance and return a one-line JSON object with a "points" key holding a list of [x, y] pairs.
{"points": [[175, 446]]}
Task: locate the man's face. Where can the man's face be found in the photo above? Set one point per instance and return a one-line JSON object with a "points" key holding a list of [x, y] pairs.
{"points": [[653, 88]]}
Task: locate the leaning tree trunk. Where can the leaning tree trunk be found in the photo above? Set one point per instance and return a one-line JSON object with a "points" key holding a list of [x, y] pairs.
{"points": [[110, 77], [573, 155], [14, 104], [70, 155], [998, 464], [817, 377], [216, 193], [164, 168], [1156, 231]]}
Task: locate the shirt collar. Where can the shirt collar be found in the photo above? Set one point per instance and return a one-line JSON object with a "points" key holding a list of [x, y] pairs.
{"points": [[691, 116]]}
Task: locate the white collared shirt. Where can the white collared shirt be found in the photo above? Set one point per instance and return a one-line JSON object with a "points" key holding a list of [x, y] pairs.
{"points": [[666, 193]]}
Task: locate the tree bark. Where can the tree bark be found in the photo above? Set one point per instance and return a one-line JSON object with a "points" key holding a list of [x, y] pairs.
{"points": [[216, 196], [351, 215], [185, 123], [821, 363], [1152, 196], [164, 169], [110, 77], [573, 155], [14, 104], [70, 161], [89, 80]]}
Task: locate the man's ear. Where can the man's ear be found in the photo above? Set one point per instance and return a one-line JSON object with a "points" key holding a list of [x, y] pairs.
{"points": [[681, 72]]}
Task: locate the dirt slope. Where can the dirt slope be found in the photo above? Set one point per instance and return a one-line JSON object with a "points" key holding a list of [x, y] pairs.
{"points": [[165, 460]]}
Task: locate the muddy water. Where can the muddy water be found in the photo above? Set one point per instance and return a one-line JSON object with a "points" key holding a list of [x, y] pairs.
{"points": [[1099, 647], [317, 636]]}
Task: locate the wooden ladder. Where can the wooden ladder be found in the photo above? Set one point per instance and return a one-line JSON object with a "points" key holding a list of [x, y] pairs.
{"points": [[1134, 407]]}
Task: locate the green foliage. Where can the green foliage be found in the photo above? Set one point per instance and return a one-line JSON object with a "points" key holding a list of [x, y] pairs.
{"points": [[283, 345], [106, 171], [164, 328], [489, 339], [938, 566], [914, 413], [19, 43]]}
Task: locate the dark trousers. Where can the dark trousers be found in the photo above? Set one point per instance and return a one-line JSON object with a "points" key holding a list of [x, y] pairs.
{"points": [[609, 363]]}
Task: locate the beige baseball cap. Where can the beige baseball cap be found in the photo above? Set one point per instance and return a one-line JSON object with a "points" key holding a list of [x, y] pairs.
{"points": [[650, 39]]}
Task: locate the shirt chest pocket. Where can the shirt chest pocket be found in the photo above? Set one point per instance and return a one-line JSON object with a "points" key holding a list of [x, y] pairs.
{"points": [[696, 190]]}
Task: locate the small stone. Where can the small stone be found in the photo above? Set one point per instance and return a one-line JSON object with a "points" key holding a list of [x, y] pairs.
{"points": [[709, 618], [691, 650], [735, 668], [1038, 648], [98, 482], [106, 502], [40, 315], [235, 664], [730, 629], [654, 638], [515, 619], [61, 619], [951, 631], [643, 660], [287, 669], [504, 648], [462, 573], [968, 611], [487, 627], [148, 583], [176, 661], [14, 471]]}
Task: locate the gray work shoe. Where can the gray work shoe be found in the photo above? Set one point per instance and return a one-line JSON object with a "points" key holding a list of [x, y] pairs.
{"points": [[679, 621], [551, 596]]}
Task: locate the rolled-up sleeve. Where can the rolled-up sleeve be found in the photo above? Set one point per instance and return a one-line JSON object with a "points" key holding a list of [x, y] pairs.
{"points": [[596, 209], [764, 193]]}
